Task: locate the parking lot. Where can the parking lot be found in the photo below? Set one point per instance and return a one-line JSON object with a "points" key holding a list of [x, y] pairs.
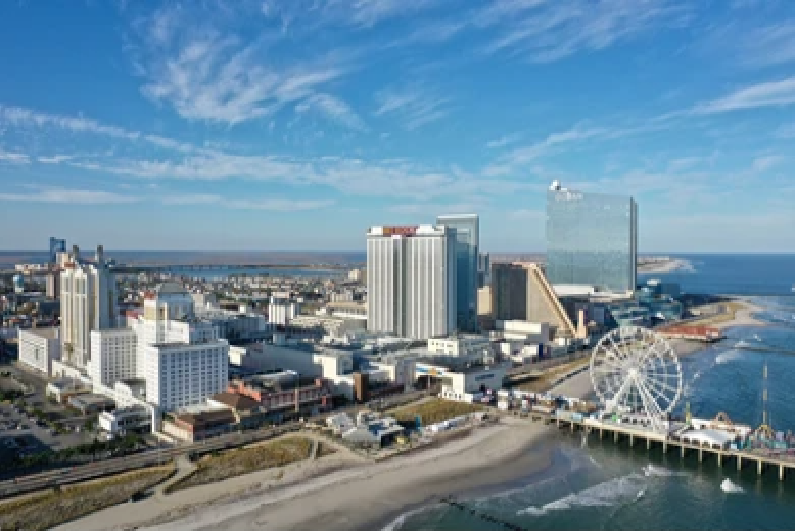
{"points": [[22, 432]]}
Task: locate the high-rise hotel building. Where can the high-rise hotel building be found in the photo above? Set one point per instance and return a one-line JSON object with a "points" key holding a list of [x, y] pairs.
{"points": [[592, 239], [411, 281], [466, 228], [88, 302]]}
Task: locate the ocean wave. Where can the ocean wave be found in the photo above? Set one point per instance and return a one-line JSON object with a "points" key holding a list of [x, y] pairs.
{"points": [[615, 491], [730, 487], [726, 357], [658, 471], [400, 521]]}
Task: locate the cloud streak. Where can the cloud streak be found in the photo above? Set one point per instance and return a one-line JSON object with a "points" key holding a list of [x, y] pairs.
{"points": [[768, 94], [68, 196], [414, 106], [269, 204]]}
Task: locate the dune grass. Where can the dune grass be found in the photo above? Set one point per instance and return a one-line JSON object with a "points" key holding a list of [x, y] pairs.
{"points": [[45, 510], [435, 410], [231, 463]]}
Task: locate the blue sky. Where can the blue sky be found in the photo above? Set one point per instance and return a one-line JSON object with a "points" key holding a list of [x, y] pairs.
{"points": [[297, 124]]}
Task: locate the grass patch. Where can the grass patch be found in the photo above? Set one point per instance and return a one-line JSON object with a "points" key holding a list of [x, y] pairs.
{"points": [[433, 411], [48, 509], [231, 463]]}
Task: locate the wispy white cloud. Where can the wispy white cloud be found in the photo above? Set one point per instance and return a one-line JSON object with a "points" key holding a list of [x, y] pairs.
{"points": [[768, 45], [78, 124], [503, 141], [551, 144], [767, 94], [549, 31], [71, 196], [415, 106], [55, 159], [271, 204], [333, 108], [767, 162], [22, 117], [210, 74], [14, 158]]}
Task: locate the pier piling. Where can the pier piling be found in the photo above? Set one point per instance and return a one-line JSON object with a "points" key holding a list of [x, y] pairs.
{"points": [[700, 455], [759, 466], [781, 472], [739, 462]]}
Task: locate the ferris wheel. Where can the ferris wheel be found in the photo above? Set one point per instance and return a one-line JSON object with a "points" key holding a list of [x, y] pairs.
{"points": [[636, 372]]}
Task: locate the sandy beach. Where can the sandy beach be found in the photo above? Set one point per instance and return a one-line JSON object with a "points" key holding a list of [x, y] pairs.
{"points": [[343, 491]]}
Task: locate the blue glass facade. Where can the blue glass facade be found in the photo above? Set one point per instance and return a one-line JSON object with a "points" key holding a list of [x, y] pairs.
{"points": [[466, 228], [57, 245], [592, 240]]}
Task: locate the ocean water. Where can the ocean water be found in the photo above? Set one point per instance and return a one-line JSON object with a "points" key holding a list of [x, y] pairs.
{"points": [[606, 486], [737, 274]]}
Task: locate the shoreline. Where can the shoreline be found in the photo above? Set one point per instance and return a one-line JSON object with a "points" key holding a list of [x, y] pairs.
{"points": [[354, 495]]}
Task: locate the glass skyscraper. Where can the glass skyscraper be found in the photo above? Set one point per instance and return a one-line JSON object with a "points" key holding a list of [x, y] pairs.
{"points": [[466, 228], [592, 239]]}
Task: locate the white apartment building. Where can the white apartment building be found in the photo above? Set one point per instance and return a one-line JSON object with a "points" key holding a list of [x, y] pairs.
{"points": [[38, 347], [88, 302], [115, 355], [282, 310], [411, 281], [181, 359]]}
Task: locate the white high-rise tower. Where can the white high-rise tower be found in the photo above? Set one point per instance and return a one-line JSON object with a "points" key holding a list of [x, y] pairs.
{"points": [[88, 302], [411, 281]]}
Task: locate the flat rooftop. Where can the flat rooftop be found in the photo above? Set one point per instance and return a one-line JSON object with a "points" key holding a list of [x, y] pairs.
{"points": [[45, 333]]}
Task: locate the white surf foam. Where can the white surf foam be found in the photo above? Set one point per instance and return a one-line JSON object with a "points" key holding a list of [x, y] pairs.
{"points": [[612, 492], [726, 357], [658, 471], [641, 494], [730, 487], [400, 521]]}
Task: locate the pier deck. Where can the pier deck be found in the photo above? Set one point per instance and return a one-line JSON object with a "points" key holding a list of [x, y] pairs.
{"points": [[672, 440]]}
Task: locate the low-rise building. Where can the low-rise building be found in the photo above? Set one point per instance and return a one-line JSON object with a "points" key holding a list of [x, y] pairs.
{"points": [[125, 420], [91, 403], [61, 389], [38, 347], [199, 425], [471, 379]]}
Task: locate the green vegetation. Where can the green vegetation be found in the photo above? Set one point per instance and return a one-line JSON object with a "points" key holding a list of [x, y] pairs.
{"points": [[231, 463], [10, 395], [115, 447], [48, 509], [434, 411]]}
